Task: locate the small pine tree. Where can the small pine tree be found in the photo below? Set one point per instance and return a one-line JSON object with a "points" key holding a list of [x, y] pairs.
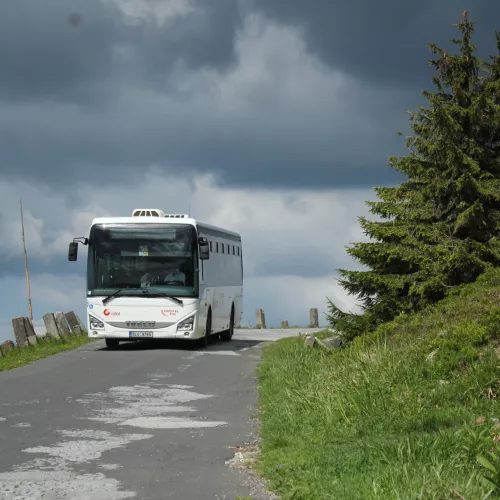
{"points": [[439, 228]]}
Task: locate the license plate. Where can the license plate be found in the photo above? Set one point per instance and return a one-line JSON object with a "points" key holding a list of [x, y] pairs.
{"points": [[140, 334]]}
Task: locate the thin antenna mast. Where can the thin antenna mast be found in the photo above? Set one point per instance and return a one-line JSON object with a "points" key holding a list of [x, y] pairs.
{"points": [[26, 266]]}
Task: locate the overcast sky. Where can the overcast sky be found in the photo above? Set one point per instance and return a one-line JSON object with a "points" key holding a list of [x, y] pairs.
{"points": [[271, 117]]}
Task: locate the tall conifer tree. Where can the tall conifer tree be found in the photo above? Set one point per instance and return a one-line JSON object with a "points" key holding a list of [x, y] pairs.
{"points": [[439, 228]]}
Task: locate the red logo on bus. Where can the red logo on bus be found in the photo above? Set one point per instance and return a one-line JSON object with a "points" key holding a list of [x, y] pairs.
{"points": [[107, 312], [169, 312]]}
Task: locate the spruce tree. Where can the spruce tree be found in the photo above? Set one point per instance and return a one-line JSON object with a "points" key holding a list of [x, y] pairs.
{"points": [[439, 228]]}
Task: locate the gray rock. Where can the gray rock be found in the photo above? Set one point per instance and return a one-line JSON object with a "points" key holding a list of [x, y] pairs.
{"points": [[332, 342], [313, 318], [30, 331], [72, 320], [310, 341], [242, 459], [51, 325], [32, 340], [7, 346], [83, 328], [20, 334], [260, 319], [62, 324]]}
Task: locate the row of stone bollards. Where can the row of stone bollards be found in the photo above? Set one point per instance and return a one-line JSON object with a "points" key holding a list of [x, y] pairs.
{"points": [[57, 325], [260, 319]]}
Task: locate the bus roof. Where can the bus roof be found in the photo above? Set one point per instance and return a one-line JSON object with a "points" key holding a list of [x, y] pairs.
{"points": [[161, 220]]}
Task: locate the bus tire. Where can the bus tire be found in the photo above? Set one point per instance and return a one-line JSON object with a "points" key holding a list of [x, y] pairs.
{"points": [[227, 335], [111, 343], [208, 328]]}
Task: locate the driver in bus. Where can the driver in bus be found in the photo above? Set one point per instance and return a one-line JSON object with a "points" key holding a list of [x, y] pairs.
{"points": [[173, 273]]}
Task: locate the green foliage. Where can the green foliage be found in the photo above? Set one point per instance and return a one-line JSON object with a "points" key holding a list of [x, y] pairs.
{"points": [[350, 325], [492, 323], [440, 228], [388, 416], [492, 465], [459, 347]]}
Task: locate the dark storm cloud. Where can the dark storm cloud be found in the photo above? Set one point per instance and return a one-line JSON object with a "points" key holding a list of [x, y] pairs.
{"points": [[43, 54], [339, 161], [274, 145], [384, 41], [59, 50], [83, 54]]}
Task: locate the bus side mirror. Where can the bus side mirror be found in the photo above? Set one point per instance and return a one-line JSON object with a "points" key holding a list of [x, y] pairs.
{"points": [[73, 251], [204, 249]]}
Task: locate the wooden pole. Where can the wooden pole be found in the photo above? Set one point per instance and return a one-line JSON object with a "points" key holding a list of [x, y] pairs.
{"points": [[30, 309]]}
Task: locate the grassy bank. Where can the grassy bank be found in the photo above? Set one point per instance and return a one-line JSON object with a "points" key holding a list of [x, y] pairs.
{"points": [[406, 413], [45, 347]]}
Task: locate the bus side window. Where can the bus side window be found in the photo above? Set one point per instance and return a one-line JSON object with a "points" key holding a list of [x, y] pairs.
{"points": [[217, 246], [210, 246]]}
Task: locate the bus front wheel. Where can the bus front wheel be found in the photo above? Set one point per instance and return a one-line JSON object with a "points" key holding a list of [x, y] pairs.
{"points": [[111, 343], [208, 330]]}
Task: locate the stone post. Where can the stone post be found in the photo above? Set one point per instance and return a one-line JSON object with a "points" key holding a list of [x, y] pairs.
{"points": [[284, 324], [62, 324], [313, 318], [260, 319], [30, 332], [51, 325], [20, 334], [83, 328], [72, 321]]}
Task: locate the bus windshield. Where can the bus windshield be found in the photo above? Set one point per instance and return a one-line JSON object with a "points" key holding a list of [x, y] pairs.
{"points": [[142, 258]]}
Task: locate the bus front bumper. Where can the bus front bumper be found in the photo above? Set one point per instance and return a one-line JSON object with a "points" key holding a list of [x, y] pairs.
{"points": [[166, 333]]}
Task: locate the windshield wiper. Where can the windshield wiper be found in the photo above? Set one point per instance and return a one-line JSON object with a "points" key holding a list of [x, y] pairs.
{"points": [[174, 299], [144, 292], [109, 297]]}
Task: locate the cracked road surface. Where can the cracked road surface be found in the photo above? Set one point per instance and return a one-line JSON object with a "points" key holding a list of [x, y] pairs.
{"points": [[150, 421]]}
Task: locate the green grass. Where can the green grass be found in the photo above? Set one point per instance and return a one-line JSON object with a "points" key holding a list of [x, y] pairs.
{"points": [[44, 348], [405, 413], [276, 327]]}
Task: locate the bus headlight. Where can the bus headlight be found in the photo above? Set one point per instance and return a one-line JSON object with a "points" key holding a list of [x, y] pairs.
{"points": [[186, 324], [95, 324]]}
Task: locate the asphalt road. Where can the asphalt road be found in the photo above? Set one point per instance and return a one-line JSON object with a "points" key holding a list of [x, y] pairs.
{"points": [[147, 421]]}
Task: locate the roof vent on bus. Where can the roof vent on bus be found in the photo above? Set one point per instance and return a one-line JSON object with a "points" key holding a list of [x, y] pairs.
{"points": [[176, 216], [148, 212]]}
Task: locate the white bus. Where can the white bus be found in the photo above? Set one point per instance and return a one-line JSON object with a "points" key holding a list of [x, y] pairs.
{"points": [[161, 276]]}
